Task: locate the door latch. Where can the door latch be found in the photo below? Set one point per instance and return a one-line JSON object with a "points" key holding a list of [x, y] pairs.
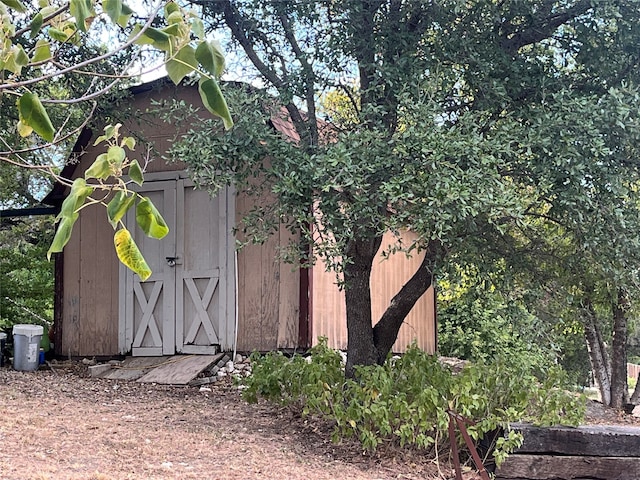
{"points": [[171, 261]]}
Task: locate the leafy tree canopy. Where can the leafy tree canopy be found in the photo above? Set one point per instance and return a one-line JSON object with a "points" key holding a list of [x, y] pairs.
{"points": [[470, 123]]}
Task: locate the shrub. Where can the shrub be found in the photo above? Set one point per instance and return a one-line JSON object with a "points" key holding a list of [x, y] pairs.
{"points": [[407, 400]]}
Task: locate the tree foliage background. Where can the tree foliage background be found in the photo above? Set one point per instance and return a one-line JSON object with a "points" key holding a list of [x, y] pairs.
{"points": [[503, 133]]}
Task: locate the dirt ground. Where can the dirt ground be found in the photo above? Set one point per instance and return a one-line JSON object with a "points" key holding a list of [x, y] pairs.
{"points": [[61, 424]]}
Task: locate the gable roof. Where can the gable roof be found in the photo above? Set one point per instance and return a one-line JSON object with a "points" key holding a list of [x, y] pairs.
{"points": [[279, 121]]}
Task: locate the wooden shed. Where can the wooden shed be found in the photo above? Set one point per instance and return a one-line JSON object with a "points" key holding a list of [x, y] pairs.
{"points": [[203, 296]]}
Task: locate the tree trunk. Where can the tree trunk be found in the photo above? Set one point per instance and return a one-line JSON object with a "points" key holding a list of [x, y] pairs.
{"points": [[361, 349], [369, 345], [619, 385], [597, 352], [386, 330]]}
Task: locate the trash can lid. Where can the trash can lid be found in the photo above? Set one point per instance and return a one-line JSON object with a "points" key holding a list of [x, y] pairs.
{"points": [[28, 330]]}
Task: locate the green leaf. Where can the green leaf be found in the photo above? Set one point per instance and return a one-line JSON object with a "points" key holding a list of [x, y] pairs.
{"points": [[113, 8], [197, 27], [42, 51], [171, 7], [152, 36], [150, 220], [78, 194], [130, 255], [100, 168], [17, 5], [210, 57], [16, 60], [214, 101], [118, 206], [36, 24], [126, 15], [82, 11], [135, 172], [63, 234], [129, 142], [116, 156], [57, 34], [182, 64], [110, 131], [175, 18], [33, 114]]}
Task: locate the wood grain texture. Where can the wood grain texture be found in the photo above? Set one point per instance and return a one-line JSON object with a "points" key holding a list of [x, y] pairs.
{"points": [[589, 440], [178, 370], [548, 467], [289, 299]]}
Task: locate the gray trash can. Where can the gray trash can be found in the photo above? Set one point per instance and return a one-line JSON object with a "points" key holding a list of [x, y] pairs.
{"points": [[26, 346]]}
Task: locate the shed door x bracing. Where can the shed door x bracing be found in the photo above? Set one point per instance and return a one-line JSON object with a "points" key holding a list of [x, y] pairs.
{"points": [[187, 305]]}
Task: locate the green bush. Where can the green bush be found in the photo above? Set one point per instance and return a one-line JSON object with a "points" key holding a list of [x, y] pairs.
{"points": [[407, 400]]}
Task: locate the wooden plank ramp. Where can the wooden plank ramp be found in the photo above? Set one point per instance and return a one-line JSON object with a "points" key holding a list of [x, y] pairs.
{"points": [[179, 369], [600, 452], [132, 368]]}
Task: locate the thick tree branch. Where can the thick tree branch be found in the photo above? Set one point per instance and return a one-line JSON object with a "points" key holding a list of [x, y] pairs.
{"points": [[236, 23], [386, 330], [542, 28], [308, 77]]}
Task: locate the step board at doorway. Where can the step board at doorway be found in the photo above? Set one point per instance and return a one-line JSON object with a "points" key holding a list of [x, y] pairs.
{"points": [[166, 370]]}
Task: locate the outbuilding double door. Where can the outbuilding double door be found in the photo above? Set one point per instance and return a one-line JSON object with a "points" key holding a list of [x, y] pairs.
{"points": [[188, 303]]}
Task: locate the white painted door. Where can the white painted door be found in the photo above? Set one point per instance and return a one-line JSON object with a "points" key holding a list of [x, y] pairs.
{"points": [[187, 305]]}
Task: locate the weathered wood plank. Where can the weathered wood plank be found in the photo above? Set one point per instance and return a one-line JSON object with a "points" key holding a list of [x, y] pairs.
{"points": [[553, 467], [594, 440], [180, 370], [133, 368]]}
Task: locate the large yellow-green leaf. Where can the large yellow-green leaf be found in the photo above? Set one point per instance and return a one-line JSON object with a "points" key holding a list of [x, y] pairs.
{"points": [[100, 168], [125, 16], [63, 234], [33, 114], [16, 60], [214, 101], [150, 220], [17, 5], [135, 172], [130, 255], [76, 198], [113, 8], [152, 36], [24, 130], [36, 24], [42, 52], [210, 57], [118, 206], [182, 64], [82, 11], [116, 156]]}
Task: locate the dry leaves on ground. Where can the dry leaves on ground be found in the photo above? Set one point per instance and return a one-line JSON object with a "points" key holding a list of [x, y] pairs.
{"points": [[63, 425]]}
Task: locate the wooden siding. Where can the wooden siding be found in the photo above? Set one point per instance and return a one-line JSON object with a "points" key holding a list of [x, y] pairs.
{"points": [[268, 302], [90, 276], [328, 305], [89, 320], [269, 290]]}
